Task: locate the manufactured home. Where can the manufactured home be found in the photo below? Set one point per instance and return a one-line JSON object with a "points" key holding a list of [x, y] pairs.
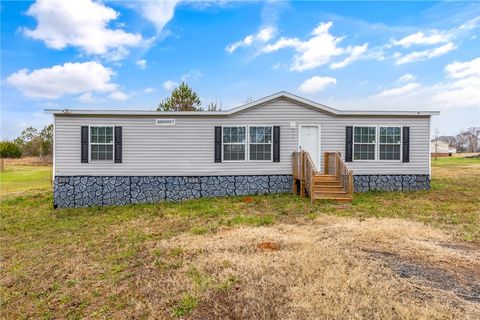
{"points": [[281, 143]]}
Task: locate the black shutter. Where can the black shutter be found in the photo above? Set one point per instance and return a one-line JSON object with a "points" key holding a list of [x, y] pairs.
{"points": [[118, 144], [84, 144], [348, 144], [276, 144], [406, 144], [218, 144]]}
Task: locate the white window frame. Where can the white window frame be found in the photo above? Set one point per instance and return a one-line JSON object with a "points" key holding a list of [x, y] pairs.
{"points": [[271, 143], [90, 143], [375, 155], [247, 142], [380, 143], [238, 143]]}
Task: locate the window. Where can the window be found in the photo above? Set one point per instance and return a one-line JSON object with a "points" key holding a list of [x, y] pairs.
{"points": [[390, 143], [234, 142], [364, 140], [260, 143], [101, 143]]}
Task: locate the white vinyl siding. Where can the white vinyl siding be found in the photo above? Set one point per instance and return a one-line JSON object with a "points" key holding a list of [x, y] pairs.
{"points": [[187, 148]]}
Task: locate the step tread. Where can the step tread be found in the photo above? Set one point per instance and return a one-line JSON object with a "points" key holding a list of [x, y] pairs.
{"points": [[339, 191], [331, 194], [317, 187], [327, 184]]}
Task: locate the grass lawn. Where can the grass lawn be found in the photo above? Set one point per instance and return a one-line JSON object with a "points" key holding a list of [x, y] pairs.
{"points": [[275, 256], [24, 178]]}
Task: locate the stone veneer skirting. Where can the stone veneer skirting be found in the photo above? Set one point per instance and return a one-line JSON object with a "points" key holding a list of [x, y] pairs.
{"points": [[365, 183], [85, 191]]}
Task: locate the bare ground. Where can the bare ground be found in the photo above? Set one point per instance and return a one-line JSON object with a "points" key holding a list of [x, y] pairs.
{"points": [[332, 268]]}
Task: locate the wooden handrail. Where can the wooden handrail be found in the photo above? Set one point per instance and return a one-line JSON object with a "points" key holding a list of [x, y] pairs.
{"points": [[335, 165], [304, 169]]}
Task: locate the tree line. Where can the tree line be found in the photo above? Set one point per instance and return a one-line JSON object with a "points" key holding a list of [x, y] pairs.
{"points": [[32, 142], [466, 141]]}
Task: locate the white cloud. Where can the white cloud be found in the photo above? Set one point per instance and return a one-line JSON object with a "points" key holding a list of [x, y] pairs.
{"points": [[142, 64], [192, 74], [169, 85], [87, 97], [60, 80], [420, 38], [158, 12], [425, 54], [149, 90], [318, 50], [82, 24], [464, 89], [118, 96], [464, 69], [316, 84], [407, 78], [400, 90], [356, 53], [265, 34]]}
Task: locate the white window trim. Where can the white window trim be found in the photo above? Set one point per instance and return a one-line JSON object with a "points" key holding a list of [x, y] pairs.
{"points": [[247, 142], [90, 144], [271, 143], [237, 143], [375, 155], [379, 143]]}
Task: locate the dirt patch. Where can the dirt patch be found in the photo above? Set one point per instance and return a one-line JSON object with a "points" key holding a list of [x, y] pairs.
{"points": [[248, 200], [474, 156], [268, 246], [462, 282]]}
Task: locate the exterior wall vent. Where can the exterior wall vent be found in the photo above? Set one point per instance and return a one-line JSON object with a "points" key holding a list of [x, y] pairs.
{"points": [[165, 122]]}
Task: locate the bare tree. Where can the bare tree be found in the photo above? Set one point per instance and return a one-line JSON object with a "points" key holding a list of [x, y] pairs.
{"points": [[214, 106], [247, 100], [470, 138]]}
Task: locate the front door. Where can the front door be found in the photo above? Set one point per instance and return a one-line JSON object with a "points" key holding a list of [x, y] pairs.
{"points": [[310, 142]]}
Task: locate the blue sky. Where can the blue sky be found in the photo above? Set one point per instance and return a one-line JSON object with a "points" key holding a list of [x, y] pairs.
{"points": [[349, 55]]}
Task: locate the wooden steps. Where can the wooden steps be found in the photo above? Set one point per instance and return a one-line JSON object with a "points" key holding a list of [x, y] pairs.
{"points": [[327, 187], [308, 181]]}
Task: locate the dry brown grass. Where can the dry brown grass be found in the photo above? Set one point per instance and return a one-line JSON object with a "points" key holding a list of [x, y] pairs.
{"points": [[29, 161], [328, 269], [259, 257]]}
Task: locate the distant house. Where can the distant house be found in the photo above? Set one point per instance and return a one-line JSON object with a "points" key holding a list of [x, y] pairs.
{"points": [[114, 157], [440, 148]]}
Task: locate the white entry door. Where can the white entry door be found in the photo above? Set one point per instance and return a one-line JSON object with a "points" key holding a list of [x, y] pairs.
{"points": [[310, 142]]}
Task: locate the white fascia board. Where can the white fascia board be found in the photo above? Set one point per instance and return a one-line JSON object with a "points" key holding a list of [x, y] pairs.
{"points": [[282, 94]]}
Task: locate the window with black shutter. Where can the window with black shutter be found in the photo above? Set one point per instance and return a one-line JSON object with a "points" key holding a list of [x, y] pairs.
{"points": [[406, 144]]}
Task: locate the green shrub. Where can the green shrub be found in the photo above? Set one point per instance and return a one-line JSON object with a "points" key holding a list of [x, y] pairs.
{"points": [[9, 149]]}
